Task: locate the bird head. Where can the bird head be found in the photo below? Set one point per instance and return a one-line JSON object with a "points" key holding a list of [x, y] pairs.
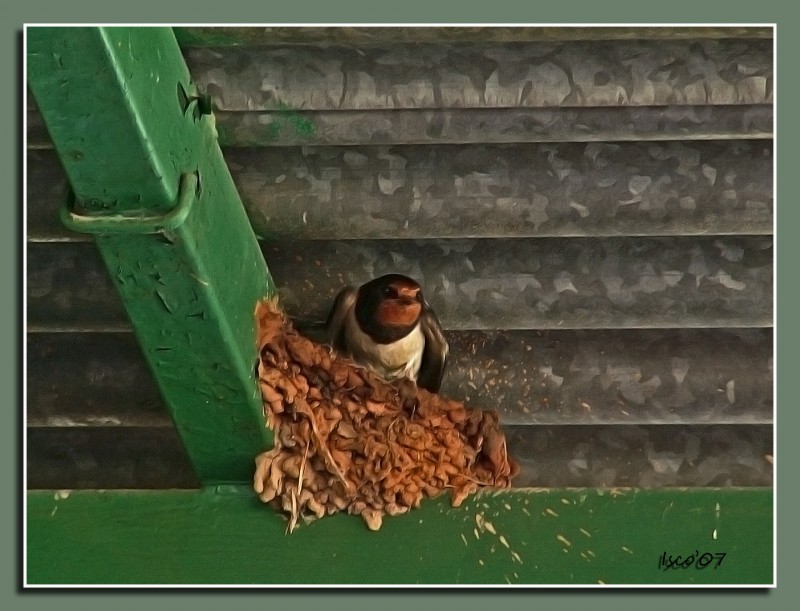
{"points": [[388, 307]]}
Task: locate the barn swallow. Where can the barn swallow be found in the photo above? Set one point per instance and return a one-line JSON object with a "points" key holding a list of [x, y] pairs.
{"points": [[387, 326]]}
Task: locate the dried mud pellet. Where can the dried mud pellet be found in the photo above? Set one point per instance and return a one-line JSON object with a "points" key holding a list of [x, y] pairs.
{"points": [[430, 489], [354, 380], [286, 437], [373, 518], [301, 384], [408, 498], [393, 509], [459, 496], [291, 466], [346, 430], [339, 502], [378, 409], [316, 507], [457, 416]]}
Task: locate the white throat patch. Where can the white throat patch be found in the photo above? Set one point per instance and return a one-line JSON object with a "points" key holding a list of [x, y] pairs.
{"points": [[390, 361]]}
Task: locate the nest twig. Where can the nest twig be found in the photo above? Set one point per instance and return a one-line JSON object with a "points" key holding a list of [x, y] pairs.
{"points": [[347, 440]]}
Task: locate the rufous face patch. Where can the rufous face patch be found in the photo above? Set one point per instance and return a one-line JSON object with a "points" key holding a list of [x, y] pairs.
{"points": [[398, 312]]}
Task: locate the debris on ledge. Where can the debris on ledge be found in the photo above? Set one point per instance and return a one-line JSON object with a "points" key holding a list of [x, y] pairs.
{"points": [[347, 440]]}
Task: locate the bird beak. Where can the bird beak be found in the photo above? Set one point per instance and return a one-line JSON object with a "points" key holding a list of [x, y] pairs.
{"points": [[408, 292]]}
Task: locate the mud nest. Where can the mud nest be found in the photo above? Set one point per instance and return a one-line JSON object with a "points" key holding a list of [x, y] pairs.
{"points": [[345, 440]]}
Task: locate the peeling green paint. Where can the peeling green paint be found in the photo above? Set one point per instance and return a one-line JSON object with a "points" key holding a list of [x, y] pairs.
{"points": [[130, 127]]}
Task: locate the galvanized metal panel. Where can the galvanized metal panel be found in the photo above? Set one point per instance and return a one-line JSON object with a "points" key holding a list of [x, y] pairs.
{"points": [[556, 189], [91, 379], [107, 457], [626, 376], [304, 35], [68, 286], [475, 125], [47, 190], [713, 281], [486, 75], [548, 283], [598, 456], [494, 125], [663, 188], [642, 456]]}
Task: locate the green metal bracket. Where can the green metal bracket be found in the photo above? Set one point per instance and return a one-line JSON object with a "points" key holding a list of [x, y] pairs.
{"points": [[139, 146], [118, 223]]}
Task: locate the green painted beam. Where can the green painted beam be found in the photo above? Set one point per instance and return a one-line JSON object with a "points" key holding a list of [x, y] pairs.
{"points": [[149, 181], [554, 536]]}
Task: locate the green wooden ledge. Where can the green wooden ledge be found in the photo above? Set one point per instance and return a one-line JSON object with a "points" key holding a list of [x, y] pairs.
{"points": [[224, 535]]}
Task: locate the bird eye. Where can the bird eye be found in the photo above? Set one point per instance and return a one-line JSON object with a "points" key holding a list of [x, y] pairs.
{"points": [[387, 291]]}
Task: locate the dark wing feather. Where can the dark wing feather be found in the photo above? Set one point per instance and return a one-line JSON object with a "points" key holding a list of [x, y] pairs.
{"points": [[335, 325], [434, 356]]}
